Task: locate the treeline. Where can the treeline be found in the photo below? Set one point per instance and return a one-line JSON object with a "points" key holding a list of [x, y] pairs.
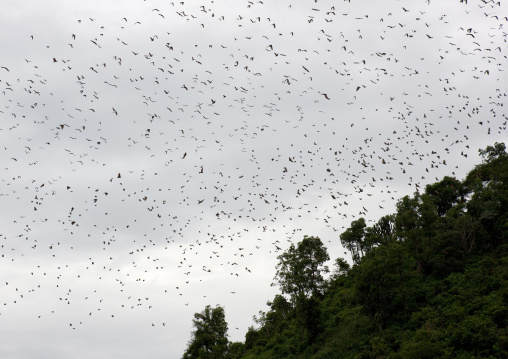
{"points": [[429, 281]]}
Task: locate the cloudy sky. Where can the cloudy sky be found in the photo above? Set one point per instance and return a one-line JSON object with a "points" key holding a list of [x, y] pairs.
{"points": [[157, 156]]}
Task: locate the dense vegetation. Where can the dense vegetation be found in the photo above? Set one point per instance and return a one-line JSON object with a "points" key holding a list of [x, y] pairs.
{"points": [[428, 281]]}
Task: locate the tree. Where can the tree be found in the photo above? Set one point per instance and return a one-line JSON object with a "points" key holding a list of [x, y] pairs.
{"points": [[300, 269], [341, 268], [360, 239], [381, 233], [235, 350], [494, 153], [209, 340], [492, 171], [300, 275], [488, 204], [415, 222], [445, 193], [383, 283], [353, 239]]}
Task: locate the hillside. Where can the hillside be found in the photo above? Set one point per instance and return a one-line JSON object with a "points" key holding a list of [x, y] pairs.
{"points": [[428, 281]]}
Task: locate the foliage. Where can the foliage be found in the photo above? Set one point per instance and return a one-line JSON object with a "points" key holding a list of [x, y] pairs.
{"points": [[445, 194], [428, 281], [385, 284], [353, 239], [381, 233], [209, 340], [341, 267], [301, 268]]}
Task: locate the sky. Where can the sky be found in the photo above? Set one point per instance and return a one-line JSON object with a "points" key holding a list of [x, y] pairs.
{"points": [[158, 156]]}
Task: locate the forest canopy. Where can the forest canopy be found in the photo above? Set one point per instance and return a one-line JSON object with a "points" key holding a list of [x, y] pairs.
{"points": [[428, 281]]}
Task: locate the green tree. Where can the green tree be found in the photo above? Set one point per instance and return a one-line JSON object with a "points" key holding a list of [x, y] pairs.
{"points": [[209, 340], [384, 282], [235, 350], [493, 171], [341, 268], [300, 269], [381, 233], [251, 337], [353, 239], [428, 217], [445, 193], [488, 204], [408, 225], [280, 310], [300, 275], [430, 280], [494, 153], [415, 224]]}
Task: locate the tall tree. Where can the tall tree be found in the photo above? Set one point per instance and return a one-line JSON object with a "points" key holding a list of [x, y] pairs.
{"points": [[300, 275], [489, 201], [300, 269], [445, 193], [381, 233], [383, 283], [408, 225], [209, 340], [353, 239]]}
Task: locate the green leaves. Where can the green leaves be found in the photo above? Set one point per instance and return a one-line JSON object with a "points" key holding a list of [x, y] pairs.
{"points": [[300, 275], [494, 153], [341, 267], [445, 193], [429, 281], [353, 239], [384, 283], [360, 239], [301, 268], [209, 340]]}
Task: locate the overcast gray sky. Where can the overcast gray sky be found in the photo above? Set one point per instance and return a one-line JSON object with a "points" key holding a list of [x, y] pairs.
{"points": [[155, 155]]}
